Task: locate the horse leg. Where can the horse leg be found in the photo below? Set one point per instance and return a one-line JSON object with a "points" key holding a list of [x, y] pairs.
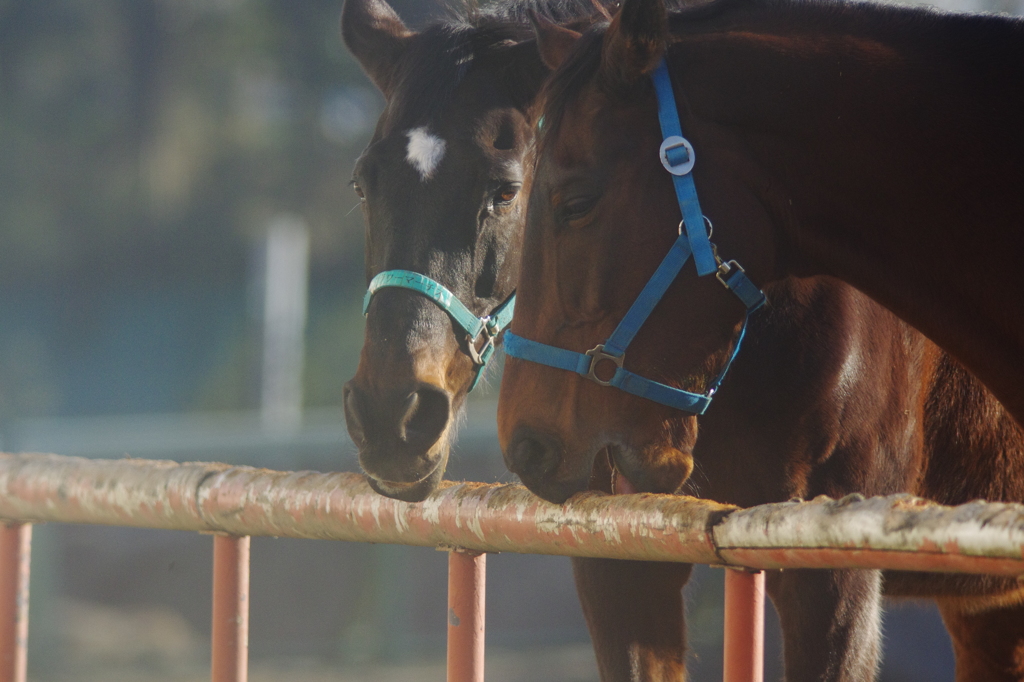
{"points": [[830, 623], [634, 611], [988, 644]]}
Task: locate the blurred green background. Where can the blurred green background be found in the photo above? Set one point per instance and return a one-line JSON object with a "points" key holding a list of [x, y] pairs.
{"points": [[145, 145]]}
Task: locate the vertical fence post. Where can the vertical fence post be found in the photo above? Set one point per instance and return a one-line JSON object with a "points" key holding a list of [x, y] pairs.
{"points": [[744, 626], [15, 564], [230, 636], [467, 581]]}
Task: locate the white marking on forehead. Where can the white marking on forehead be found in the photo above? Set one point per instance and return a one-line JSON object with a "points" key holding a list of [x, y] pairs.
{"points": [[424, 152]]}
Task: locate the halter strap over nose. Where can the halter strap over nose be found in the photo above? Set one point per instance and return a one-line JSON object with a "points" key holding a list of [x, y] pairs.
{"points": [[677, 156], [488, 326]]}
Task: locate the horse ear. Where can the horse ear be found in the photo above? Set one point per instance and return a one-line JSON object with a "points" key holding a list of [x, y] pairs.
{"points": [[634, 42], [553, 41], [377, 37]]}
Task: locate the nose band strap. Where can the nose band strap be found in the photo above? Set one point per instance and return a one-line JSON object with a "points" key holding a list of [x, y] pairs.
{"points": [[614, 349], [489, 326], [584, 365]]}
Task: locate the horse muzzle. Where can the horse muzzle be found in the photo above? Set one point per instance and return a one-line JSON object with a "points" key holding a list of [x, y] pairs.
{"points": [[402, 437], [540, 461]]}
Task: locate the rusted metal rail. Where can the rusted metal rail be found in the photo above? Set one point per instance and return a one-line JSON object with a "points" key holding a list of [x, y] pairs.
{"points": [[467, 582], [744, 626], [899, 532], [229, 631], [15, 547]]}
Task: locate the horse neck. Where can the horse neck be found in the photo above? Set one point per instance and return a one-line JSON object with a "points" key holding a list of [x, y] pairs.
{"points": [[890, 146]]}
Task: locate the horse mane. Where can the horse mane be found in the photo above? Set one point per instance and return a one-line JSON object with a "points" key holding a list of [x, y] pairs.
{"points": [[440, 55], [919, 25], [568, 80], [555, 11], [985, 39]]}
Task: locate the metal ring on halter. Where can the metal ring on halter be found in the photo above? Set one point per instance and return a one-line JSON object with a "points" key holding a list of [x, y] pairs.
{"points": [[674, 143], [597, 354], [707, 221]]}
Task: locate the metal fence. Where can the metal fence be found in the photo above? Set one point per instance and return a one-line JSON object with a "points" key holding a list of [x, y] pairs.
{"points": [[468, 520]]}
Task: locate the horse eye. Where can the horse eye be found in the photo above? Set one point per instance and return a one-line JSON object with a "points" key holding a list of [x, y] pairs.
{"points": [[506, 194], [576, 208], [358, 190]]}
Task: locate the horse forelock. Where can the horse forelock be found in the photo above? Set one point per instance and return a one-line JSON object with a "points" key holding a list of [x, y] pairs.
{"points": [[555, 11], [431, 69], [439, 58]]}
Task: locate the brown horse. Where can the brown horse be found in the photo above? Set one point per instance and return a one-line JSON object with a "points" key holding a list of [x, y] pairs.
{"points": [[830, 395], [880, 147]]}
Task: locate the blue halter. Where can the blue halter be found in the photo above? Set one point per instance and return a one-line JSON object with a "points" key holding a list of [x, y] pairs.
{"points": [[488, 326], [677, 157]]}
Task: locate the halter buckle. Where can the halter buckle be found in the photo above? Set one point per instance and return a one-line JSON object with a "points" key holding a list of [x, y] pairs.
{"points": [[725, 269], [597, 354], [480, 357]]}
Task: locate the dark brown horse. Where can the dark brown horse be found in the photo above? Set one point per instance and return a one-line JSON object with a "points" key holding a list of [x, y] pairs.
{"points": [[830, 395], [440, 184]]}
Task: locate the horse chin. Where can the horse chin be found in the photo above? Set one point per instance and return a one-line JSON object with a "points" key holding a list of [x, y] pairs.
{"points": [[557, 492], [630, 474], [417, 491]]}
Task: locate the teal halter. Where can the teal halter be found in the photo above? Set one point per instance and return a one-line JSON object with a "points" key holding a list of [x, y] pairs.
{"points": [[677, 157], [488, 326]]}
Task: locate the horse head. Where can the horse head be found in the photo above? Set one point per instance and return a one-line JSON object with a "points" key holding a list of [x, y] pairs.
{"points": [[602, 215], [440, 185]]}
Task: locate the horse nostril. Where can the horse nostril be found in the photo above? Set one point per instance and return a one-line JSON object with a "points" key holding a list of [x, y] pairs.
{"points": [[408, 411], [533, 455], [425, 414], [413, 420]]}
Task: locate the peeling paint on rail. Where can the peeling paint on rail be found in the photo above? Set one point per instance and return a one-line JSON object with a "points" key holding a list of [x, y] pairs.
{"points": [[898, 532], [246, 501]]}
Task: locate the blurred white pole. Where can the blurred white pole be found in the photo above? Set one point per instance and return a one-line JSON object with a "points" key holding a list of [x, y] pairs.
{"points": [[285, 294]]}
